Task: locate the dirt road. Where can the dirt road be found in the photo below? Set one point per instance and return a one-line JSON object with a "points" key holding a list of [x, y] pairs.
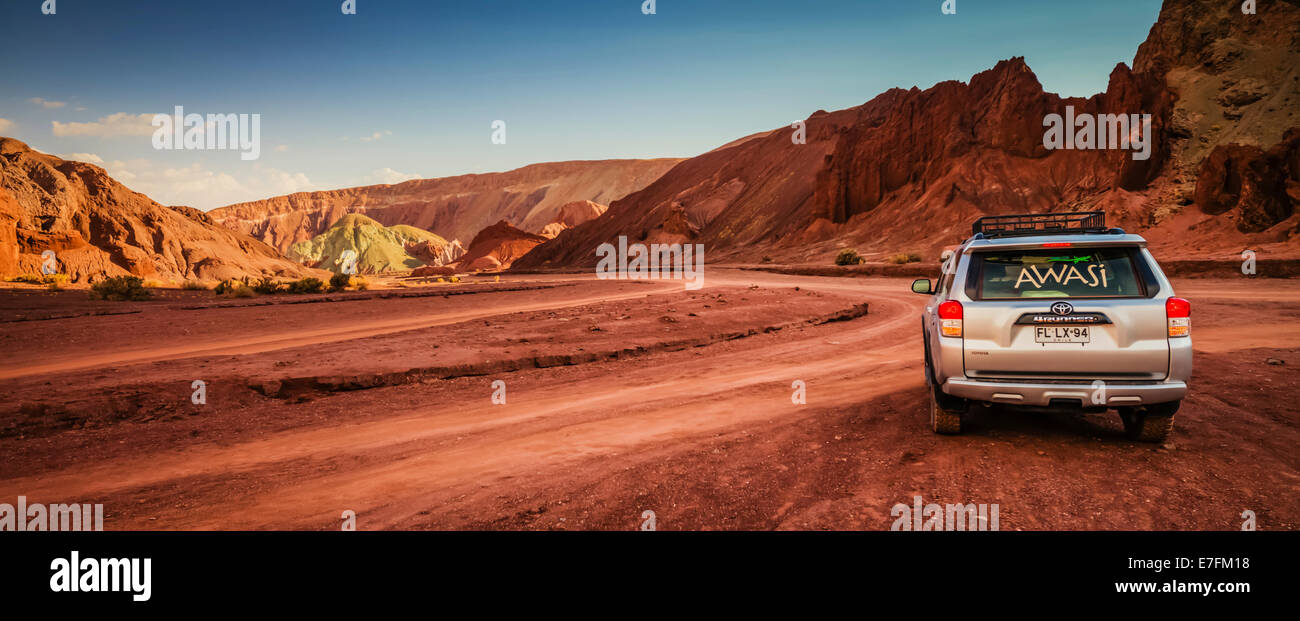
{"points": [[704, 435]]}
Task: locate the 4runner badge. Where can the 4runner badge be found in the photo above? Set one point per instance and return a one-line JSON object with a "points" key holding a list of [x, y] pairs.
{"points": [[1062, 308]]}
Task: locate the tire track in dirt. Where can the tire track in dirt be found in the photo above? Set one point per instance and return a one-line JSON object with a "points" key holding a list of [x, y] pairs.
{"points": [[581, 421], [299, 338]]}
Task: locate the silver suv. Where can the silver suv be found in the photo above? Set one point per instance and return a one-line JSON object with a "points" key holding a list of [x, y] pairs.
{"points": [[1056, 312]]}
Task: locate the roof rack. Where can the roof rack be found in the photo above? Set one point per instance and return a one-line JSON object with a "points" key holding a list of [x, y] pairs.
{"points": [[1071, 223]]}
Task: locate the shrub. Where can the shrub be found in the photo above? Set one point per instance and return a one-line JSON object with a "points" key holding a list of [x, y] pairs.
{"points": [[904, 257], [360, 283], [153, 284], [339, 282], [193, 285], [32, 279], [234, 289], [120, 288], [267, 286], [766, 260], [307, 285], [455, 279], [848, 256]]}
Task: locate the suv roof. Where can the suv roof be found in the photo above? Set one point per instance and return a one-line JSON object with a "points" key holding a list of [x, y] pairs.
{"points": [[1020, 225], [1118, 238], [1084, 228]]}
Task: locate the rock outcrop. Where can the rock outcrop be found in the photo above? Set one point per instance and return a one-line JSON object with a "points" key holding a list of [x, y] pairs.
{"points": [[497, 247], [97, 227], [435, 254], [1261, 187], [571, 215], [10, 215], [374, 247]]}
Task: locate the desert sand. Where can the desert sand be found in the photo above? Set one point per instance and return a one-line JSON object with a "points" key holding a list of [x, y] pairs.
{"points": [[621, 397]]}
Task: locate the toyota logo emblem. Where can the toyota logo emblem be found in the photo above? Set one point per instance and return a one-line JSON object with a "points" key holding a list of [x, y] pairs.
{"points": [[1062, 308]]}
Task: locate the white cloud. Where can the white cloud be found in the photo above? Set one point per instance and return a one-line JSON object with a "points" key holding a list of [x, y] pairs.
{"points": [[376, 136], [205, 189], [46, 103], [5, 124], [389, 176], [84, 157], [120, 124]]}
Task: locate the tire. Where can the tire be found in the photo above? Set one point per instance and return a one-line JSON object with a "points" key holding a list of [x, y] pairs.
{"points": [[927, 369], [1152, 423], [945, 411], [945, 415]]}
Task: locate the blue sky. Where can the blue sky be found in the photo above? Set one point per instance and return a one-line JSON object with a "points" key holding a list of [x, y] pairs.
{"points": [[409, 88]]}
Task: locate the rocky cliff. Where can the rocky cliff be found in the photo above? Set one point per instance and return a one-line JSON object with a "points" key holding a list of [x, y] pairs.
{"points": [[909, 170], [97, 227]]}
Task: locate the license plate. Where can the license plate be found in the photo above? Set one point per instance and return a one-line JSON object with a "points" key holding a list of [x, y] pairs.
{"points": [[1061, 334]]}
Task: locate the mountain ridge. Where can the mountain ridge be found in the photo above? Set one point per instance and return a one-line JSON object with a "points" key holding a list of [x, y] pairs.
{"points": [[908, 170], [457, 207]]}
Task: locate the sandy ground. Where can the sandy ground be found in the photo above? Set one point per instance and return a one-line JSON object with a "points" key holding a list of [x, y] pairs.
{"points": [[621, 398]]}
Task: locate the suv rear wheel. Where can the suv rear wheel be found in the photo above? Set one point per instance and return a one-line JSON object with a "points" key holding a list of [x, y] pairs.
{"points": [[1151, 423], [945, 412]]}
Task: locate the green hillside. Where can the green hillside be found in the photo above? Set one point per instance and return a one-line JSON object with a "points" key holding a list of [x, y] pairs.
{"points": [[379, 248]]}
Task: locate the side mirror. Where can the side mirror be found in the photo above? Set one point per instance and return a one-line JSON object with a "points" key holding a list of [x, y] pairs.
{"points": [[921, 285]]}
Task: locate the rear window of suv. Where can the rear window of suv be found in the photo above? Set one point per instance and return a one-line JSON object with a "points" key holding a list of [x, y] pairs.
{"points": [[1057, 273]]}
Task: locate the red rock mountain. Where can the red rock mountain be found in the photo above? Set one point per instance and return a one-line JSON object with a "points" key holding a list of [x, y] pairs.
{"points": [[98, 227], [531, 198], [909, 170], [572, 214], [497, 247]]}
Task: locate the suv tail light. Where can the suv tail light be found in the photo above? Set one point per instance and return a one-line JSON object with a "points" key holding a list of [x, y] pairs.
{"points": [[950, 314], [1179, 313]]}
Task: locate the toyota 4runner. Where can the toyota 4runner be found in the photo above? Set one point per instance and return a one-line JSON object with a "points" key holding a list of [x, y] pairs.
{"points": [[1055, 312]]}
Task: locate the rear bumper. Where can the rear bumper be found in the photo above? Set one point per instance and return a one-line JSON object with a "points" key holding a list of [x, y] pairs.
{"points": [[1029, 393]]}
